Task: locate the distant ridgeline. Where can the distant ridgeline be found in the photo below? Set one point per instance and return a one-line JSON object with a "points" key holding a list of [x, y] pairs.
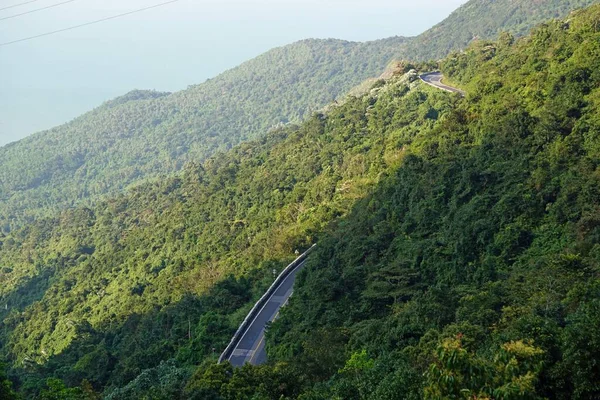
{"points": [[486, 19], [458, 257], [146, 135]]}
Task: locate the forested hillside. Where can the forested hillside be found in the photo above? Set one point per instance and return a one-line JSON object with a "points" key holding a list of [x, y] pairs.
{"points": [[486, 19], [144, 135], [473, 271], [102, 293], [458, 249]]}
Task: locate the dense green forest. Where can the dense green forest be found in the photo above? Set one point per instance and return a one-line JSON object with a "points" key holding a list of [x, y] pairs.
{"points": [[473, 270], [458, 249], [144, 134], [485, 19]]}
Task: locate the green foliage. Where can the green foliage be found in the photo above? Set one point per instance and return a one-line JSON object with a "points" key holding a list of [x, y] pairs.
{"points": [[222, 382], [458, 373], [164, 382], [581, 340], [484, 20], [6, 387], [56, 390]]}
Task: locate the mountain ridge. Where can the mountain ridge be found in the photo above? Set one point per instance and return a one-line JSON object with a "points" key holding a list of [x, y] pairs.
{"points": [[147, 139], [143, 138]]}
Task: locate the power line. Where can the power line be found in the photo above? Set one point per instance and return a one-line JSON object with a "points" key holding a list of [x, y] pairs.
{"points": [[88, 23], [38, 9], [17, 5]]}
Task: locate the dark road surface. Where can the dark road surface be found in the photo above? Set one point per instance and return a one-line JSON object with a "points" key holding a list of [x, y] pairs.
{"points": [[435, 79], [251, 347]]}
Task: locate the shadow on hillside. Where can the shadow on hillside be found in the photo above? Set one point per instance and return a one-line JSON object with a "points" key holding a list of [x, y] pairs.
{"points": [[417, 235], [24, 295], [188, 331], [198, 327]]}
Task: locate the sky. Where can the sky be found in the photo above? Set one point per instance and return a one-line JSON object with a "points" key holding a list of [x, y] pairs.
{"points": [[50, 80]]}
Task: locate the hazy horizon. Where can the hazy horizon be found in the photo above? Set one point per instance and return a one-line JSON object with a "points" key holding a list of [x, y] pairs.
{"points": [[51, 80]]}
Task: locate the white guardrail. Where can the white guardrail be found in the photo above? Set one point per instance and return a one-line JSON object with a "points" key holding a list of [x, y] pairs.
{"points": [[260, 303]]}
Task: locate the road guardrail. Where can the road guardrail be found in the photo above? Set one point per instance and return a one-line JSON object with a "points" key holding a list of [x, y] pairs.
{"points": [[260, 303]]}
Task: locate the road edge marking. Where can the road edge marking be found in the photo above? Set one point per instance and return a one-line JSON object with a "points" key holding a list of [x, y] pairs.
{"points": [[262, 308]]}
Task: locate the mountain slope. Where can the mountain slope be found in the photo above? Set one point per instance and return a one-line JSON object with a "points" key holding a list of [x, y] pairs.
{"points": [[98, 280], [486, 19], [145, 134], [474, 269]]}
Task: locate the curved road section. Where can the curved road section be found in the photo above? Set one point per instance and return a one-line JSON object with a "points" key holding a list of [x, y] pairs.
{"points": [[435, 79], [248, 344], [251, 347]]}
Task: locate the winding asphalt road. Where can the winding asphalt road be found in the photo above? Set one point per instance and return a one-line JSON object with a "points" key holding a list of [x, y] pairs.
{"points": [[251, 347], [435, 79]]}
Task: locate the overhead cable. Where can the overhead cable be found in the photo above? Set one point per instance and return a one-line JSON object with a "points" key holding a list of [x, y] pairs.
{"points": [[87, 23], [18, 5], [37, 9]]}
